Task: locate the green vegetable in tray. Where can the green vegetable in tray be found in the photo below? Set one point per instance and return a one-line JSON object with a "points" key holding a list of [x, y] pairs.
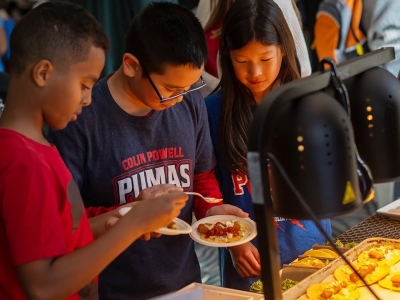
{"points": [[350, 245], [288, 283], [257, 286], [338, 243]]}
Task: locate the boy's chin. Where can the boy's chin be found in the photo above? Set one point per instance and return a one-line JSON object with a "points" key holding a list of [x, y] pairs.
{"points": [[59, 126]]}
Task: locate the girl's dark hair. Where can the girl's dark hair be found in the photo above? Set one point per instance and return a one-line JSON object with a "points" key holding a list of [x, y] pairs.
{"points": [[249, 20], [166, 34], [58, 31]]}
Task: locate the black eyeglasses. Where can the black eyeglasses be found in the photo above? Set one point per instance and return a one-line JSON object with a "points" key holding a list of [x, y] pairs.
{"points": [[198, 85]]}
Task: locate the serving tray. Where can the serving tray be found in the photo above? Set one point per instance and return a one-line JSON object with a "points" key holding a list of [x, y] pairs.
{"points": [[326, 273]]}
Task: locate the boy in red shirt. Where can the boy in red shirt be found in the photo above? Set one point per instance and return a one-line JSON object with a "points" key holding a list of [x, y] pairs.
{"points": [[46, 243]]}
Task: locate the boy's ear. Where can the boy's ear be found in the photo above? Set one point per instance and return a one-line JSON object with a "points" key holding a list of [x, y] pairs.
{"points": [[130, 65], [41, 72]]}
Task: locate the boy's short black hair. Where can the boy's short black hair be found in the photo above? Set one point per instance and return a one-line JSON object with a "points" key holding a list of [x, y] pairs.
{"points": [[58, 31], [166, 33]]}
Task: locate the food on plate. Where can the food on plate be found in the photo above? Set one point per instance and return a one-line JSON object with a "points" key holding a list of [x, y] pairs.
{"points": [[309, 262], [172, 225], [370, 271], [223, 232], [288, 283], [384, 254], [391, 282], [320, 253], [204, 228], [334, 290]]}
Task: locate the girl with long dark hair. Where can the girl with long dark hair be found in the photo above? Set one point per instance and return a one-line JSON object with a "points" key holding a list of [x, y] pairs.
{"points": [[257, 54]]}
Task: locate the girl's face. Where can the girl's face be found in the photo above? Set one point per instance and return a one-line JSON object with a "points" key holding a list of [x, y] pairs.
{"points": [[257, 66]]}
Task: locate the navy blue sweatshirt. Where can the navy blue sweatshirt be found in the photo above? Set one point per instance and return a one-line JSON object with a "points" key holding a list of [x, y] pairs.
{"points": [[113, 156]]}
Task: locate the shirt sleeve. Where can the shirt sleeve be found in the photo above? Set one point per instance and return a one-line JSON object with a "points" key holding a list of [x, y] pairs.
{"points": [[295, 28], [384, 30], [326, 36], [30, 213], [204, 181], [203, 11], [207, 185]]}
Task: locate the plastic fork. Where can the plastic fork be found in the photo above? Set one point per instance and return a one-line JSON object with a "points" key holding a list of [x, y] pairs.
{"points": [[209, 200]]}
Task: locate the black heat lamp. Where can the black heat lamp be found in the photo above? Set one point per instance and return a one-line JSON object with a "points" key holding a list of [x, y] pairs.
{"points": [[302, 131]]}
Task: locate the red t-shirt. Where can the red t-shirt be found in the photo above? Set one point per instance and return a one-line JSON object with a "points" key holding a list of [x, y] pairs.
{"points": [[41, 210]]}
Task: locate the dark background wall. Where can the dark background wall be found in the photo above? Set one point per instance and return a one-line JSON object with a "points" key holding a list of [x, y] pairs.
{"points": [[115, 16]]}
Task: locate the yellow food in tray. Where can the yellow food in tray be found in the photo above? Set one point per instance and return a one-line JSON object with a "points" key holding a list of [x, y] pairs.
{"points": [[370, 271], [333, 254], [321, 253], [376, 262], [391, 282], [309, 262], [335, 290], [385, 254]]}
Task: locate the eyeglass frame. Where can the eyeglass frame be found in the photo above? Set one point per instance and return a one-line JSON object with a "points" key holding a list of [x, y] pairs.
{"points": [[162, 99]]}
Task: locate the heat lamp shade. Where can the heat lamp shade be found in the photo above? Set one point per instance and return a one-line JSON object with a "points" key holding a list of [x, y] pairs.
{"points": [[375, 110], [313, 141]]}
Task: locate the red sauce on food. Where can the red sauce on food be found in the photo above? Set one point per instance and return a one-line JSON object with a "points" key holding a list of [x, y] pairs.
{"points": [[220, 230]]}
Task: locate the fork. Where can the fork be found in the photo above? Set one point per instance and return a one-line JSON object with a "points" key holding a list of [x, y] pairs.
{"points": [[209, 200]]}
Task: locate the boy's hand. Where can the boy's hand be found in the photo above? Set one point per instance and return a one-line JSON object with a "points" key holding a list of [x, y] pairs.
{"points": [[159, 212], [226, 209], [246, 260], [114, 215], [157, 190], [146, 194]]}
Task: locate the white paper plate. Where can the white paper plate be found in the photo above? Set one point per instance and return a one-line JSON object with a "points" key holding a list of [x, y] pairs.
{"points": [[391, 214], [182, 226], [195, 235]]}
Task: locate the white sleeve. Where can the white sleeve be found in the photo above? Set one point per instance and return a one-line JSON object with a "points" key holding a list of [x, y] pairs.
{"points": [[384, 30], [211, 81], [203, 11], [301, 48]]}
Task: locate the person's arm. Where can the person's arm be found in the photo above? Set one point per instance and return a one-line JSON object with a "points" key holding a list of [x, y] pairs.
{"points": [[58, 278], [289, 12], [41, 218], [102, 222], [99, 224], [207, 185], [246, 260], [204, 181], [203, 11], [383, 29], [326, 34]]}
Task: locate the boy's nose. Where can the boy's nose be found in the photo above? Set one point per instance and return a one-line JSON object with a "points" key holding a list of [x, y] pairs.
{"points": [[87, 100], [178, 99]]}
